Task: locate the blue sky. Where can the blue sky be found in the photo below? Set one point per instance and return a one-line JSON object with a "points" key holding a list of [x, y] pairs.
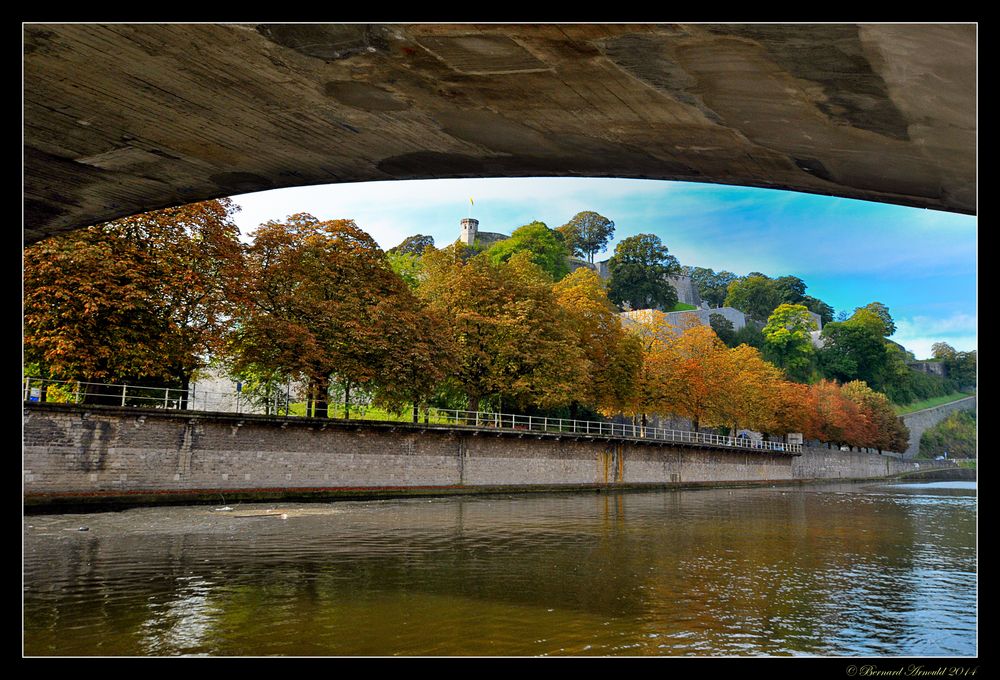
{"points": [[921, 263]]}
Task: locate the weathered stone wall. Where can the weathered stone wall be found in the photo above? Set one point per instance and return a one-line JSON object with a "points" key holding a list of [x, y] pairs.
{"points": [[932, 367], [919, 421], [687, 292], [823, 463], [681, 319], [70, 451]]}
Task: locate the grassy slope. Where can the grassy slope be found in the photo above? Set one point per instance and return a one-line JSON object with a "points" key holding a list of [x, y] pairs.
{"points": [[928, 403]]}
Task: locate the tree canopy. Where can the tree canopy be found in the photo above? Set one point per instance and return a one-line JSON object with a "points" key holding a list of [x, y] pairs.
{"points": [[319, 299], [754, 295], [512, 338], [614, 356], [639, 271], [587, 233], [712, 286], [787, 340], [138, 299], [545, 249]]}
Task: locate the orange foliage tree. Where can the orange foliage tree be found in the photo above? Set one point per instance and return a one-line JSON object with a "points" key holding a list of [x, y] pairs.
{"points": [[884, 430], [142, 298], [320, 300], [513, 340], [613, 356], [684, 374]]}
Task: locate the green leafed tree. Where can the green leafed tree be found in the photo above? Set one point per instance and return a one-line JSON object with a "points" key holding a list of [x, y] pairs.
{"points": [[754, 295], [639, 271], [712, 286], [787, 341], [407, 266], [882, 312], [856, 349], [955, 435], [541, 243], [790, 289], [942, 350], [588, 233], [723, 327], [817, 306]]}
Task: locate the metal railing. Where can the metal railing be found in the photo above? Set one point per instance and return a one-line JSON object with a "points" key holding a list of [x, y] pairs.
{"points": [[38, 389]]}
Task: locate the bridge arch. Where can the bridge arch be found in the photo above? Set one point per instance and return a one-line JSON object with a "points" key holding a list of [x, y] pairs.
{"points": [[124, 118]]}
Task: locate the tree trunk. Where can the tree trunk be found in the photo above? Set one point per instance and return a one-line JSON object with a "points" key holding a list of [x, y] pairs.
{"points": [[322, 405], [473, 404], [185, 387], [347, 400], [416, 413]]}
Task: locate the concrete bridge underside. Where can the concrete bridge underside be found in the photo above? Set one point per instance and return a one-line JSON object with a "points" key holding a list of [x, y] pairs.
{"points": [[120, 119]]}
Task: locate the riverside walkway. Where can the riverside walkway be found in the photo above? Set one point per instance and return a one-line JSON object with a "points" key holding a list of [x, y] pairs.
{"points": [[36, 390]]}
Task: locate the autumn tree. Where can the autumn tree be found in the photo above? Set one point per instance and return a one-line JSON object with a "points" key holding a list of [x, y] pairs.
{"points": [[513, 340], [882, 429], [836, 418], [614, 356], [685, 374], [639, 270], [587, 233], [140, 299], [747, 399], [320, 300]]}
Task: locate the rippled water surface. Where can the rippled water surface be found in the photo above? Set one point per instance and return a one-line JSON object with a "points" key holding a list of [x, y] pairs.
{"points": [[835, 570]]}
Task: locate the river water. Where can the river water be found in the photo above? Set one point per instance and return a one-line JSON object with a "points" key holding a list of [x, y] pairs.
{"points": [[833, 570]]}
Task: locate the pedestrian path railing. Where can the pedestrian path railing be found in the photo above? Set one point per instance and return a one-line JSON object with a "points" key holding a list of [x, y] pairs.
{"points": [[278, 403]]}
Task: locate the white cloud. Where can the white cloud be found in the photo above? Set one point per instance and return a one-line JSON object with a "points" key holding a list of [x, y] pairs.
{"points": [[919, 333]]}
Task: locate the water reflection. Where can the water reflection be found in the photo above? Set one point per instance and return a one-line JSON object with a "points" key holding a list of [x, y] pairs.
{"points": [[840, 570]]}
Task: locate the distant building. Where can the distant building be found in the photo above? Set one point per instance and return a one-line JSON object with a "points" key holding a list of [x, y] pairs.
{"points": [[470, 234]]}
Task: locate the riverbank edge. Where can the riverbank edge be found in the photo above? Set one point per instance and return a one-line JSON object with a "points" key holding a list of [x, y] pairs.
{"points": [[69, 503]]}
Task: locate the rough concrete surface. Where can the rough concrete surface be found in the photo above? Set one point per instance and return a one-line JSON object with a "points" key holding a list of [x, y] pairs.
{"points": [[124, 118]]}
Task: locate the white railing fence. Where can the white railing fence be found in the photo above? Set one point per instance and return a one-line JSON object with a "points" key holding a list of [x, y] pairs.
{"points": [[38, 389]]}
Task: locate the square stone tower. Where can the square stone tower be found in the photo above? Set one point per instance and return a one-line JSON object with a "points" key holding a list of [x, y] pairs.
{"points": [[470, 229]]}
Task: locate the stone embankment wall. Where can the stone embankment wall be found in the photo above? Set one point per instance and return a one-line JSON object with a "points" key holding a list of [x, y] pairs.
{"points": [[919, 421], [121, 454]]}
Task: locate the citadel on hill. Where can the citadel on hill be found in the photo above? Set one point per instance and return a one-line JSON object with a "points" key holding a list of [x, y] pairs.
{"points": [[687, 291]]}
